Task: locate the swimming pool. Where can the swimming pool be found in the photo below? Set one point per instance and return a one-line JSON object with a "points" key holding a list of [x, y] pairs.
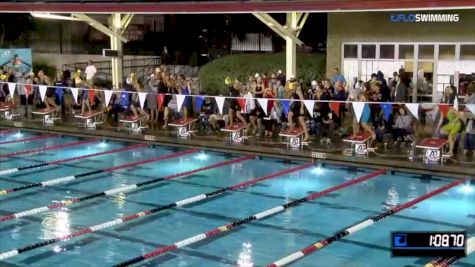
{"points": [[256, 243]]}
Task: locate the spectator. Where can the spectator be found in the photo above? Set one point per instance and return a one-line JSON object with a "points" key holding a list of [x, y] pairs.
{"points": [[338, 77], [400, 90], [4, 90], [385, 92], [402, 129], [90, 73]]}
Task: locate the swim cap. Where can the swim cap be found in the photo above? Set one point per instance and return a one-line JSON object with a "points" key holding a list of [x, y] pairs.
{"points": [[227, 81]]}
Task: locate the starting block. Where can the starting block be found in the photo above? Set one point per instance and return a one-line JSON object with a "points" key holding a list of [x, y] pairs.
{"points": [[183, 127], [293, 138], [8, 111], [134, 124], [236, 133], [433, 150], [90, 119], [359, 144], [47, 115]]}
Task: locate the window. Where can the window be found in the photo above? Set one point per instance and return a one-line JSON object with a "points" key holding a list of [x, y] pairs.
{"points": [[368, 51], [426, 52], [386, 51], [446, 52], [467, 52], [350, 51], [406, 52]]}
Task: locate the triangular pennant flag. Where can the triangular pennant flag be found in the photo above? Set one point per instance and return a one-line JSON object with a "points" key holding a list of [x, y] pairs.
{"points": [[263, 103], [91, 95], [179, 101], [199, 100], [335, 106], [286, 106], [242, 104], [160, 99], [107, 96], [12, 87], [220, 103], [414, 109], [470, 107], [387, 110], [444, 108], [142, 97], [358, 108], [456, 103], [27, 89], [309, 105], [74, 91], [43, 92]]}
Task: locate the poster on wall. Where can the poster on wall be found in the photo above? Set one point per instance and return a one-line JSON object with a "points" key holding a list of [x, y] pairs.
{"points": [[19, 59]]}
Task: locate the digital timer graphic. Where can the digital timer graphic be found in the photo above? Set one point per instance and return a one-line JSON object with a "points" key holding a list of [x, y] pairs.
{"points": [[437, 244]]}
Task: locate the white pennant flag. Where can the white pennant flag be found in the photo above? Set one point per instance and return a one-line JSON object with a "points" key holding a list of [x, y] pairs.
{"points": [[12, 87], [471, 107], [43, 92], [414, 109], [220, 103], [309, 105], [179, 101], [263, 103], [107, 96], [74, 91], [358, 108], [456, 103], [142, 97]]}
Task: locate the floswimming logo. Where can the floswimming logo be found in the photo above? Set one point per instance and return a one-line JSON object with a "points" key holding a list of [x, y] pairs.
{"points": [[421, 18]]}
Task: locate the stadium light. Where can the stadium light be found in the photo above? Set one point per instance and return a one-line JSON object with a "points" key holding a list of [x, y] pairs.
{"points": [[52, 16]]}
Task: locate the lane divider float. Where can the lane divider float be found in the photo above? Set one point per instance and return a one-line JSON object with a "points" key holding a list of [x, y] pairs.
{"points": [[29, 139], [225, 228], [70, 178], [114, 191], [46, 148], [446, 262], [7, 131], [54, 162], [356, 227], [120, 220]]}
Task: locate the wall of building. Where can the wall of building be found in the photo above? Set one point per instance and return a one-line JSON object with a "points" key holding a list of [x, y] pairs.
{"points": [[377, 27]]}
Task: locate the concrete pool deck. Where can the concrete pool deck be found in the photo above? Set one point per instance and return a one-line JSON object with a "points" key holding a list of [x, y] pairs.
{"points": [[395, 159]]}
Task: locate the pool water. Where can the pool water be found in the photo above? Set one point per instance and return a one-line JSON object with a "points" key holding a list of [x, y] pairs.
{"points": [[254, 244]]}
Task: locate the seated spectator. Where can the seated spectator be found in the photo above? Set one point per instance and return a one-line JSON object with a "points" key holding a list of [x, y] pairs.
{"points": [[452, 128], [402, 129]]}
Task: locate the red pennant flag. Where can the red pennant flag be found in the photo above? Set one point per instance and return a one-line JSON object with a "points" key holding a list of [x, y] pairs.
{"points": [[335, 106], [91, 96], [27, 89], [444, 108], [242, 104], [160, 98]]}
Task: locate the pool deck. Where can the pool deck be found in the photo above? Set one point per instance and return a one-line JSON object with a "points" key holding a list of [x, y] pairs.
{"points": [[394, 159]]}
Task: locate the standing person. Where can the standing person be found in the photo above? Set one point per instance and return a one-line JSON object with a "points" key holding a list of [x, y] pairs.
{"points": [[338, 77], [234, 107], [90, 73], [400, 90], [152, 104], [469, 144], [26, 92], [297, 108]]}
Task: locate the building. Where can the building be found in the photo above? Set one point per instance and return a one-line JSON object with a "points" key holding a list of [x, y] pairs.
{"points": [[361, 43]]}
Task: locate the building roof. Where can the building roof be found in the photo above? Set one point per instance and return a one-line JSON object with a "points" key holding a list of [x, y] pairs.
{"points": [[224, 6]]}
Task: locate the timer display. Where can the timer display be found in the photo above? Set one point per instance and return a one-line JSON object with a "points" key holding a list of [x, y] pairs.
{"points": [[436, 244]]}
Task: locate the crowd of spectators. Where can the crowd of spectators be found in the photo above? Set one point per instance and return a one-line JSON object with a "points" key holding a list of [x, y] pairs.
{"points": [[332, 113]]}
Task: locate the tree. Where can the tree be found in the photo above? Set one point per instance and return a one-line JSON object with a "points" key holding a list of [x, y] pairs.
{"points": [[15, 29]]}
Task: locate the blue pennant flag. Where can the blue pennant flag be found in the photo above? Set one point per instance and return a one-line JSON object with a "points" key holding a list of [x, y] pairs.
{"points": [[387, 109], [199, 100], [286, 105]]}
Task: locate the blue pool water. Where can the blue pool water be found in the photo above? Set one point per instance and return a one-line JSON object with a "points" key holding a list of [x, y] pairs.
{"points": [[254, 244]]}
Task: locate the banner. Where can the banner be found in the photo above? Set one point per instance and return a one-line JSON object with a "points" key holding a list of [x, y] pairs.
{"points": [[358, 108], [220, 103], [444, 108], [413, 109], [309, 105], [471, 107], [74, 91], [91, 94], [199, 100], [263, 103], [160, 99], [286, 106], [107, 96], [180, 99], [335, 107], [43, 92], [142, 97], [12, 87], [19, 60]]}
